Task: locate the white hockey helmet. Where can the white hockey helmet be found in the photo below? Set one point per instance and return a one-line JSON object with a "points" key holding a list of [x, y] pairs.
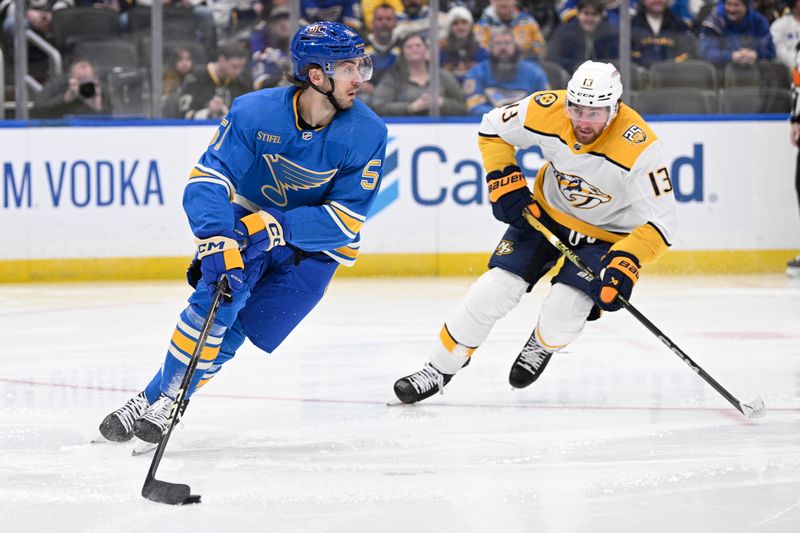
{"points": [[596, 85]]}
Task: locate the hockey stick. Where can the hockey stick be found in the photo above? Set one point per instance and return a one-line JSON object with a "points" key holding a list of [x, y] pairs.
{"points": [[164, 491], [752, 409]]}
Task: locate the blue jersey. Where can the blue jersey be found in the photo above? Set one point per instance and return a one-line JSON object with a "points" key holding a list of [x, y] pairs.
{"points": [[324, 179]]}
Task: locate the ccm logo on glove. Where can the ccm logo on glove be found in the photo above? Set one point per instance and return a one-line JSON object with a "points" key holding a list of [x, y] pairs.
{"points": [[260, 232]]}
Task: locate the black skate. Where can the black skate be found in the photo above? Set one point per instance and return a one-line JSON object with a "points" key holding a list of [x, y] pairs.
{"points": [[118, 426], [152, 424], [793, 268], [422, 384], [529, 364]]}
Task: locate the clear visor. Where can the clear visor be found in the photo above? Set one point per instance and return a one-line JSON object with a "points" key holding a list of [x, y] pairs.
{"points": [[585, 113], [356, 69]]}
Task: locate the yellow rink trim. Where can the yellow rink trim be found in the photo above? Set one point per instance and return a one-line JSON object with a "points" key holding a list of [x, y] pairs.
{"points": [[472, 264]]}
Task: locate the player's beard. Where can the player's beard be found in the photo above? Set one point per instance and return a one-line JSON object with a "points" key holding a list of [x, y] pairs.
{"points": [[344, 104], [587, 138]]}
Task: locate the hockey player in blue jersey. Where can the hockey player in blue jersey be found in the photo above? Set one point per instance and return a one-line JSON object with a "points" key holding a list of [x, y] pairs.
{"points": [[276, 204]]}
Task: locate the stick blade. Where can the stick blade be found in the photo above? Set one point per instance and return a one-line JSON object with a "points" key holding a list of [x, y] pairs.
{"points": [[754, 408], [169, 493]]}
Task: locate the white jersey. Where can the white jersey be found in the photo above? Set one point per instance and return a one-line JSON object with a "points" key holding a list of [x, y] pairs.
{"points": [[606, 189]]}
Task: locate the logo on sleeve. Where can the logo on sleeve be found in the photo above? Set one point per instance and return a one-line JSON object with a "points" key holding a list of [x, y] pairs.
{"points": [[545, 99], [504, 248], [635, 134]]}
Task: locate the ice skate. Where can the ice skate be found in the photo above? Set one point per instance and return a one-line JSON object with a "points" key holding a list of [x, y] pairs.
{"points": [[793, 268], [529, 364], [118, 426], [421, 384], [151, 425]]}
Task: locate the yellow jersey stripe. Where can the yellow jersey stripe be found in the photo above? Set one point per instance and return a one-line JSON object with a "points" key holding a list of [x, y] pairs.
{"points": [[645, 242], [352, 223], [497, 154]]}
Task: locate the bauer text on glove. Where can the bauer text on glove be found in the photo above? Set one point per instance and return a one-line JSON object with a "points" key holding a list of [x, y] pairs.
{"points": [[620, 273], [509, 195]]}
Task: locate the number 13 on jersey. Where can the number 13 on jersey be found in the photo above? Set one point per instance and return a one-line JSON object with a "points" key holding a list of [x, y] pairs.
{"points": [[660, 181]]}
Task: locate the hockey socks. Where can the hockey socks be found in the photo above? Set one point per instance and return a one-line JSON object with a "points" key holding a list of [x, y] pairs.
{"points": [[181, 346]]}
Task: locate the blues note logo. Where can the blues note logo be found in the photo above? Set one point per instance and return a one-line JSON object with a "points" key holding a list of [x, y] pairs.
{"points": [[291, 176]]}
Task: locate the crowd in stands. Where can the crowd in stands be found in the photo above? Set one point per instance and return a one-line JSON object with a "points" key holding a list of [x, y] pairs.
{"points": [[491, 52]]}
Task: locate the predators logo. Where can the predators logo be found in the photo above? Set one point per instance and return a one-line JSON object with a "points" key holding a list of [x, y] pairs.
{"points": [[545, 99], [579, 192], [291, 176], [504, 248], [635, 134]]}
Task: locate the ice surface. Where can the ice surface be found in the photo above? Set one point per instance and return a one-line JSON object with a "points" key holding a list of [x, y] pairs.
{"points": [[619, 435]]}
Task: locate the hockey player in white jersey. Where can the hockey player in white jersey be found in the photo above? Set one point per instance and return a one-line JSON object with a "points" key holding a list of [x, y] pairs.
{"points": [[605, 189]]}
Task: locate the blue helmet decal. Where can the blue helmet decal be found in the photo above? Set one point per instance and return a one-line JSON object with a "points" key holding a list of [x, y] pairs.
{"points": [[323, 44]]}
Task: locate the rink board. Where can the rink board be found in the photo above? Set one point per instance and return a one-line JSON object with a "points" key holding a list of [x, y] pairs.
{"points": [[104, 201]]}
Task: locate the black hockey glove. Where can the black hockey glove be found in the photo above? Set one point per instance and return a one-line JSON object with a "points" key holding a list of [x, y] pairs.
{"points": [[509, 194], [619, 275]]}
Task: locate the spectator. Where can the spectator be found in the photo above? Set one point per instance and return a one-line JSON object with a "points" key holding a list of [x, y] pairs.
{"points": [[38, 17], [545, 13], [211, 93], [345, 11], [657, 34], [503, 78], [381, 47], [405, 89], [587, 36], [179, 71], [527, 33], [235, 19], [569, 9], [415, 18], [118, 7], [460, 51], [78, 93], [368, 10], [269, 45], [735, 33], [38, 14], [786, 34]]}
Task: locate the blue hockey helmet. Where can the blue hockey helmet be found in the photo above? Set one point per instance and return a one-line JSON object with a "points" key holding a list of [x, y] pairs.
{"points": [[325, 43]]}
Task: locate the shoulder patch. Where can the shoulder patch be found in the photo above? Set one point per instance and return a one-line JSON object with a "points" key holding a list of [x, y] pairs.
{"points": [[635, 134], [545, 99]]}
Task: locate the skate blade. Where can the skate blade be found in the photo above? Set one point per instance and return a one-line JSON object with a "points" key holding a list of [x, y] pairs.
{"points": [[396, 402], [143, 448], [99, 439]]}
